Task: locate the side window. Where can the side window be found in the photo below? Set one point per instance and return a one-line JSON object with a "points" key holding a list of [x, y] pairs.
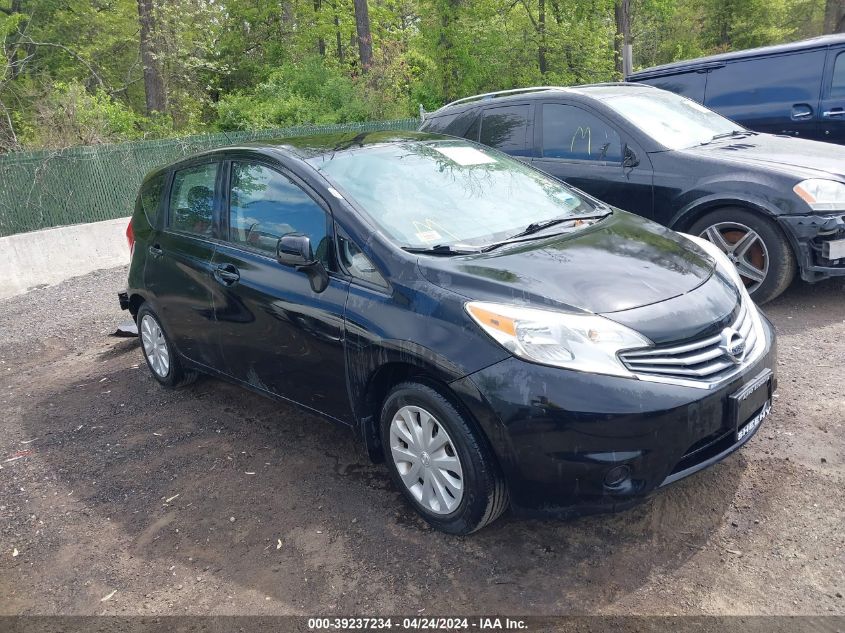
{"points": [[837, 83], [690, 85], [264, 205], [358, 264], [781, 80], [505, 128], [149, 198], [572, 133], [192, 199]]}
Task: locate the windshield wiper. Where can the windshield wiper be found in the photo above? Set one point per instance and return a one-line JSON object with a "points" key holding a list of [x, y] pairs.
{"points": [[731, 134], [442, 249], [536, 227]]}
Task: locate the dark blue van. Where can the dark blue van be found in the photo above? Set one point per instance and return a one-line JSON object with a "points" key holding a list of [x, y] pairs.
{"points": [[796, 89]]}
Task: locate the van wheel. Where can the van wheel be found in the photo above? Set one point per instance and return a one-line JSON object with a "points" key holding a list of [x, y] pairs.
{"points": [[439, 461], [162, 359], [756, 246]]}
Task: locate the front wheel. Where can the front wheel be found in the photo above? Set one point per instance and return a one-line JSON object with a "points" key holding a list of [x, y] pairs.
{"points": [[755, 245], [439, 461]]}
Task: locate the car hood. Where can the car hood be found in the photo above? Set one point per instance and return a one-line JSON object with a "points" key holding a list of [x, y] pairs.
{"points": [[619, 263], [779, 151]]}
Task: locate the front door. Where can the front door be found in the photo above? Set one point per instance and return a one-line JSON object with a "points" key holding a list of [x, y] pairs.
{"points": [[584, 150], [832, 107], [277, 334], [178, 270]]}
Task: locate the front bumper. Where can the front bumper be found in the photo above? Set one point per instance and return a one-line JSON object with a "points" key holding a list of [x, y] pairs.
{"points": [[558, 433], [808, 234]]}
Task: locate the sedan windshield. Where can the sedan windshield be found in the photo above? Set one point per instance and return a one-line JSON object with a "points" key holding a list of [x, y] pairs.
{"points": [[673, 121], [449, 193]]}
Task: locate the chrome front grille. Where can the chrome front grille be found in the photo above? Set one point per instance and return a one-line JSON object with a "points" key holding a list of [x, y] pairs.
{"points": [[703, 360]]}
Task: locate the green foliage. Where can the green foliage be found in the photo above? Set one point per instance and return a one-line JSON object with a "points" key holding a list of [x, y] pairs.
{"points": [[72, 72]]}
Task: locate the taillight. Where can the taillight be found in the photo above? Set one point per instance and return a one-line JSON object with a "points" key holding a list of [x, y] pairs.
{"points": [[130, 238]]}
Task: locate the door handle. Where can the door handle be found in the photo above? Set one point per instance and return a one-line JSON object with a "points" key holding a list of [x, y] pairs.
{"points": [[801, 111], [227, 274], [834, 113], [155, 250]]}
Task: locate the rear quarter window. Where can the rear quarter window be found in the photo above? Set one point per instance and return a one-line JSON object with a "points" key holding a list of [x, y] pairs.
{"points": [[149, 199]]}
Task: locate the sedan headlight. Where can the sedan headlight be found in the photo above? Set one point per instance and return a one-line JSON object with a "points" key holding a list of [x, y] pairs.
{"points": [[583, 342], [821, 194]]}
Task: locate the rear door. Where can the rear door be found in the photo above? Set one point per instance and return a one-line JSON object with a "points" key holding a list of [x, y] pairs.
{"points": [[778, 94], [832, 107], [586, 150], [278, 335], [178, 271]]}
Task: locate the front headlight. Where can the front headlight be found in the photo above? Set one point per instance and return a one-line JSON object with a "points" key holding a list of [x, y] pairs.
{"points": [[821, 194], [583, 342]]}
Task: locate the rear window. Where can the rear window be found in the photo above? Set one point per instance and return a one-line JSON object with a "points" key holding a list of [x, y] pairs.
{"points": [[505, 128], [192, 199], [149, 198]]}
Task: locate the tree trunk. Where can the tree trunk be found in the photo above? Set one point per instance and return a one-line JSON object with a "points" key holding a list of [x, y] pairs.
{"points": [[448, 10], [338, 38], [622, 14], [321, 43], [541, 32], [365, 37], [834, 16], [153, 82]]}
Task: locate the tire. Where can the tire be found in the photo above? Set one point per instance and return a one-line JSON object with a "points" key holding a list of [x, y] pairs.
{"points": [[770, 255], [481, 495], [162, 359]]}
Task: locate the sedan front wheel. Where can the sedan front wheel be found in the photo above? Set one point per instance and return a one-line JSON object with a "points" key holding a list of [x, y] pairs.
{"points": [[755, 245]]}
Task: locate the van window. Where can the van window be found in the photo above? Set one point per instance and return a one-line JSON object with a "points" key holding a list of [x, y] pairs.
{"points": [[690, 85], [505, 128], [777, 81], [264, 205], [573, 133], [837, 83], [149, 198], [192, 199]]}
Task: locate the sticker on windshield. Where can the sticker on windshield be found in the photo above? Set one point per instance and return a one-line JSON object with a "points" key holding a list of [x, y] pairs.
{"points": [[465, 156], [428, 236]]}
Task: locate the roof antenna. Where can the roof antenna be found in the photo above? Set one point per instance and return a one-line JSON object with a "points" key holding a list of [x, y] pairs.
{"points": [[422, 114]]}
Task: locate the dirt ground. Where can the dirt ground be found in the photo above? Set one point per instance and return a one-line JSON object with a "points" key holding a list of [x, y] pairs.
{"points": [[120, 497]]}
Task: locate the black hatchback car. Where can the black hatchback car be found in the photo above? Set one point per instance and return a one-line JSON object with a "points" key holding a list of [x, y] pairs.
{"points": [[770, 203], [500, 339]]}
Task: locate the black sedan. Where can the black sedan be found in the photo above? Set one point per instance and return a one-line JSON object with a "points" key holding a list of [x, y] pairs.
{"points": [[501, 340], [772, 204]]}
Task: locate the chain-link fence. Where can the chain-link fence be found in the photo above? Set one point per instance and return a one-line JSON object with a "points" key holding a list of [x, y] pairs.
{"points": [[86, 184]]}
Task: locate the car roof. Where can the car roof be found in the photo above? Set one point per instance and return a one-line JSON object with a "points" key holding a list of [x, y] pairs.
{"points": [[598, 91], [822, 41], [307, 147]]}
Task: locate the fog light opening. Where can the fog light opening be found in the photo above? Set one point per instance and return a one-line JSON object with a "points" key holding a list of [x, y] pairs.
{"points": [[617, 476]]}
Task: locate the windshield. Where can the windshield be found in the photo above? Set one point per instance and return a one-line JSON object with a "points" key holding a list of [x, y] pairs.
{"points": [[672, 120], [448, 193]]}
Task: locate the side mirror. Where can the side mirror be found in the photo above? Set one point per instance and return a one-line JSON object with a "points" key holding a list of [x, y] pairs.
{"points": [[630, 158], [294, 249]]}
